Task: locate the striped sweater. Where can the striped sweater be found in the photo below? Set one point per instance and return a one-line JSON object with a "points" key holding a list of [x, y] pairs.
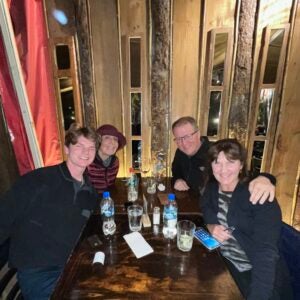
{"points": [[103, 177]]}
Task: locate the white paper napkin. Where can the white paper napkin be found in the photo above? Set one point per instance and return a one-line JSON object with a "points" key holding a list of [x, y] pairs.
{"points": [[138, 244]]}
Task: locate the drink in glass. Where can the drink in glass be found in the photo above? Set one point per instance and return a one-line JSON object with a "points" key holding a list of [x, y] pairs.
{"points": [[135, 217], [185, 235]]}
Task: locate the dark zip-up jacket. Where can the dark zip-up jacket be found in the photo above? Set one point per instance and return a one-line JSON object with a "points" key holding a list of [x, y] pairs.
{"points": [[103, 177], [43, 215]]}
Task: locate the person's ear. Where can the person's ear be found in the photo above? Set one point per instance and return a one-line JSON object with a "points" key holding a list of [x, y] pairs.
{"points": [[66, 149]]}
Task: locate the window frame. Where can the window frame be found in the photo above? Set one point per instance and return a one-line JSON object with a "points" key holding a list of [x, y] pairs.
{"points": [[66, 73], [269, 138], [224, 89]]}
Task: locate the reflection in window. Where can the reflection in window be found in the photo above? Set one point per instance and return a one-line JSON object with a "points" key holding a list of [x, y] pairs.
{"points": [[67, 101], [214, 113], [136, 154], [135, 62], [257, 156], [62, 57], [264, 111], [136, 114], [219, 59], [275, 45]]}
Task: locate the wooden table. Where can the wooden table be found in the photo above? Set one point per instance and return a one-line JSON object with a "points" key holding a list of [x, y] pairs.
{"points": [[188, 202], [167, 273]]}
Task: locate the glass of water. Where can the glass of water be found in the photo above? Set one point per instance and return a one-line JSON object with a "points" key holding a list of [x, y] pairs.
{"points": [[185, 235], [135, 217]]}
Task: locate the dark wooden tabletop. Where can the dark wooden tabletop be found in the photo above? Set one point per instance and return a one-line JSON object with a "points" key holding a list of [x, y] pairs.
{"points": [[167, 273], [188, 202]]}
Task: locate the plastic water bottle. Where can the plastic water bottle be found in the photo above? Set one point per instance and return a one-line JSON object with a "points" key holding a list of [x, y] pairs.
{"points": [[170, 218], [108, 214]]}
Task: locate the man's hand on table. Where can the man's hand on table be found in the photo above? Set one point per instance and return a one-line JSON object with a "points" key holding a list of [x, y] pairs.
{"points": [[181, 185], [261, 189]]}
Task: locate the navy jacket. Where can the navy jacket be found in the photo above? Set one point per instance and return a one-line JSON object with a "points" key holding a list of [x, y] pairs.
{"points": [[43, 215], [257, 229]]}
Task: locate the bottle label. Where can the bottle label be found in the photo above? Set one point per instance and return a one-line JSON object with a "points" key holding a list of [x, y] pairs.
{"points": [[170, 213], [107, 210]]}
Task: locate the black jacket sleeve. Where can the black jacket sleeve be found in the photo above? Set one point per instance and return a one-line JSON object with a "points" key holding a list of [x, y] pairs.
{"points": [[176, 168], [264, 256], [13, 204]]}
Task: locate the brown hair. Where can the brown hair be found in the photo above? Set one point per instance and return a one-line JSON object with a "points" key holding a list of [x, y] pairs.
{"points": [[233, 150], [75, 131], [185, 120]]}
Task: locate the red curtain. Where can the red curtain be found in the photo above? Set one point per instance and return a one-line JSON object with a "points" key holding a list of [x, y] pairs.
{"points": [[31, 38], [13, 116]]}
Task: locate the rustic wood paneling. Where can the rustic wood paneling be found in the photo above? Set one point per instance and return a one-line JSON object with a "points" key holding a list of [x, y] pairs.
{"points": [[217, 15], [106, 61], [185, 60], [106, 65], [133, 23], [56, 28], [286, 156], [269, 13]]}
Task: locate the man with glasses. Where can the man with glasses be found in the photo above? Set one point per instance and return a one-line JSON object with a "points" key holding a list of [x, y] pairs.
{"points": [[190, 163]]}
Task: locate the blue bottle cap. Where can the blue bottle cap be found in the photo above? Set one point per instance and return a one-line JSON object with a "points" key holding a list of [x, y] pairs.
{"points": [[106, 195], [171, 197]]}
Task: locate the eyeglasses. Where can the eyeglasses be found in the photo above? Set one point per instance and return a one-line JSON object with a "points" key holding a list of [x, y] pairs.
{"points": [[187, 137]]}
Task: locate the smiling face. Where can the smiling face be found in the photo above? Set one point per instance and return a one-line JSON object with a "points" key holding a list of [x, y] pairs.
{"points": [[187, 138], [226, 171], [80, 155], [109, 146]]}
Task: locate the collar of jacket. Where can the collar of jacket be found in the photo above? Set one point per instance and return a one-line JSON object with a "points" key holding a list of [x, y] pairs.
{"points": [[67, 175]]}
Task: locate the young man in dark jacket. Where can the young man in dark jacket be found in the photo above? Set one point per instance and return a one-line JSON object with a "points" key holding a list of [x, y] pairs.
{"points": [[44, 212], [189, 167]]}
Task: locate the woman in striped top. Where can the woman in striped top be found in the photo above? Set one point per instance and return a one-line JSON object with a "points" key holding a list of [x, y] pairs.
{"points": [[249, 233], [103, 171]]}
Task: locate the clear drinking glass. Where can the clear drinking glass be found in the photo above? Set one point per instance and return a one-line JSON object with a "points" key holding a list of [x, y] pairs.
{"points": [[135, 217], [185, 235]]}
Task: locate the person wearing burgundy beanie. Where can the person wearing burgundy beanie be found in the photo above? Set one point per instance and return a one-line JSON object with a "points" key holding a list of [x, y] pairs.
{"points": [[103, 171]]}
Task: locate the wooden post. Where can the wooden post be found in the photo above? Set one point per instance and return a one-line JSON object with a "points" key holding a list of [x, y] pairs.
{"points": [[160, 77], [85, 63], [240, 99]]}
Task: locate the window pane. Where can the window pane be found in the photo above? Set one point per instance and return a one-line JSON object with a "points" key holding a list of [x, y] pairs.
{"points": [[273, 56], [67, 101], [257, 156], [219, 59], [62, 57], [264, 111], [214, 113], [136, 154], [135, 62], [136, 113]]}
